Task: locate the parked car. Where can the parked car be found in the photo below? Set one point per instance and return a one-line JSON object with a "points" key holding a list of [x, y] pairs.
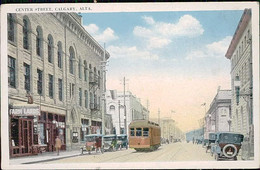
{"points": [[122, 141], [211, 141], [110, 143], [93, 142], [227, 145]]}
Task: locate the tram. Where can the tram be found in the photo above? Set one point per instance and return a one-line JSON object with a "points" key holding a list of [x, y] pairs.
{"points": [[144, 135]]}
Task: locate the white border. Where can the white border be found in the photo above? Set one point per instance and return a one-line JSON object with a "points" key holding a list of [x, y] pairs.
{"points": [[132, 7]]}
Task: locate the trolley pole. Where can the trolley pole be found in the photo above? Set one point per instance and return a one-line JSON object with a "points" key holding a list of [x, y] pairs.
{"points": [[125, 111]]}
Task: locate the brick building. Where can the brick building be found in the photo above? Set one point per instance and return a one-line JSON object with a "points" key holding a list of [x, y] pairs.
{"points": [[55, 81]]}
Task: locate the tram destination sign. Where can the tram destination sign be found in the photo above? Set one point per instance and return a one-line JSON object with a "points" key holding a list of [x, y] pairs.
{"points": [[25, 111]]}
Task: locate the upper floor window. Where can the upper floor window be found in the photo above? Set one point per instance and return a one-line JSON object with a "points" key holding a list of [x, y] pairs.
{"points": [[59, 55], [60, 89], [86, 99], [10, 20], [79, 68], [11, 71], [72, 56], [39, 41], [85, 71], [25, 34], [50, 48], [39, 82], [50, 86], [80, 96], [72, 86], [27, 80]]}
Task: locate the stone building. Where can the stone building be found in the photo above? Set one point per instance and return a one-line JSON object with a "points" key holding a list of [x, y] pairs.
{"points": [[55, 81], [218, 116], [240, 55], [115, 107]]}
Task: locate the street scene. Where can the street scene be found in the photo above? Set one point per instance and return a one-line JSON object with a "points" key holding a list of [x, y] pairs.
{"points": [[113, 87]]}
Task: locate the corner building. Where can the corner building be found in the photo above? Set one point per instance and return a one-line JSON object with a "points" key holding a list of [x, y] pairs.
{"points": [[54, 82]]}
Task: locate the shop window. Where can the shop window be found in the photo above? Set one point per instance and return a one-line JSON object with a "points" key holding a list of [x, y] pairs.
{"points": [[15, 132], [39, 82], [138, 132], [42, 134], [50, 86], [145, 131], [50, 117], [27, 81], [11, 72]]}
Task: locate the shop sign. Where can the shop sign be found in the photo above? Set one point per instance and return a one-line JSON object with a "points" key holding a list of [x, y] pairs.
{"points": [[25, 111]]}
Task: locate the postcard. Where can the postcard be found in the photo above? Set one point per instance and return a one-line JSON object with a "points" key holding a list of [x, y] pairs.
{"points": [[130, 85]]}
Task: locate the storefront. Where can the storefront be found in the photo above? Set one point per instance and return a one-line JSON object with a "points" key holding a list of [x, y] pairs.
{"points": [[22, 134], [96, 127], [33, 132]]}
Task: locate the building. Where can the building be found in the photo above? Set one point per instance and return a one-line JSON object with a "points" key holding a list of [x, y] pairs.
{"points": [[55, 82], [134, 110], [240, 55], [218, 116], [195, 135]]}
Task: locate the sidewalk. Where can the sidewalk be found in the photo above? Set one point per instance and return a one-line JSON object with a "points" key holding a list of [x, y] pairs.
{"points": [[47, 156]]}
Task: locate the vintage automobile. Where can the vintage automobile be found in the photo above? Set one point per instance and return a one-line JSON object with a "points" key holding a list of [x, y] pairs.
{"points": [[110, 142], [93, 142], [122, 141], [210, 142], [227, 145]]}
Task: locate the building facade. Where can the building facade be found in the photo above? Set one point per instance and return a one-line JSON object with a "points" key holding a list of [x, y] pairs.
{"points": [[240, 55], [134, 110], [218, 116], [55, 81]]}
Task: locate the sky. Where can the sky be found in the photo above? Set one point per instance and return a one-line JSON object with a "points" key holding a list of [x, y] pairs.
{"points": [[175, 60]]}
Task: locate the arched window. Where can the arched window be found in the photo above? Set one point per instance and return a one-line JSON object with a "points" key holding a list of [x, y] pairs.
{"points": [[72, 56], [25, 34], [50, 48], [79, 68], [86, 99], [10, 20], [59, 55], [85, 71], [112, 107], [39, 41]]}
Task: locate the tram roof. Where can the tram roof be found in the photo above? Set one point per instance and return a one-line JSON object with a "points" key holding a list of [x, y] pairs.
{"points": [[143, 123]]}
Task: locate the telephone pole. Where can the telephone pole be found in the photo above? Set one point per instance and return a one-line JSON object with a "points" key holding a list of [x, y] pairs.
{"points": [[125, 110]]}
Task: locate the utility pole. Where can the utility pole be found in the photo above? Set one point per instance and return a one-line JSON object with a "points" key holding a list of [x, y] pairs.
{"points": [[124, 110], [119, 116], [103, 68]]}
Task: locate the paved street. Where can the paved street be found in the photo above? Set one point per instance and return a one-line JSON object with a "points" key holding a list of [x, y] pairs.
{"points": [[166, 153]]}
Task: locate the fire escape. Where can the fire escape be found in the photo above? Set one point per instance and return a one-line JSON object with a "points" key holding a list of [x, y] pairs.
{"points": [[94, 85]]}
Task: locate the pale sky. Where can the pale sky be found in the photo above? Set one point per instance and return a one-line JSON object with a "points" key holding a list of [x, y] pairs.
{"points": [[176, 60]]}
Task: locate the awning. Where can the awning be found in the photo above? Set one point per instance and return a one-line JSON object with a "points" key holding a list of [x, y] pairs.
{"points": [[24, 109]]}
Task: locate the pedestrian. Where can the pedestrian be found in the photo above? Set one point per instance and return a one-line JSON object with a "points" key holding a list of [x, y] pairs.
{"points": [[57, 144]]}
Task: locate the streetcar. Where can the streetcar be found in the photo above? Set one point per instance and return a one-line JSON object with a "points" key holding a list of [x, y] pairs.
{"points": [[144, 135]]}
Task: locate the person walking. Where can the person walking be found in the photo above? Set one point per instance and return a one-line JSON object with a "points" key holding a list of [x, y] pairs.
{"points": [[57, 144]]}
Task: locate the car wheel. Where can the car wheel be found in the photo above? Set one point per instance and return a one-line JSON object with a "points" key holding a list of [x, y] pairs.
{"points": [[230, 147]]}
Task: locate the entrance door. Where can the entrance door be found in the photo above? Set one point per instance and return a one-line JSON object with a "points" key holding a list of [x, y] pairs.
{"points": [[26, 136], [51, 130]]}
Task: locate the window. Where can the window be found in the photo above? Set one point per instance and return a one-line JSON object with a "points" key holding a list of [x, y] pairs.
{"points": [[85, 71], [80, 96], [79, 68], [145, 131], [10, 27], [112, 107], [60, 89], [50, 48], [25, 34], [86, 99], [59, 53], [11, 71], [72, 86], [138, 132], [26, 77], [72, 56], [50, 86], [39, 82], [39, 41], [132, 132]]}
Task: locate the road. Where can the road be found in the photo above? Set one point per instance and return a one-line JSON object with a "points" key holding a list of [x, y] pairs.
{"points": [[166, 153]]}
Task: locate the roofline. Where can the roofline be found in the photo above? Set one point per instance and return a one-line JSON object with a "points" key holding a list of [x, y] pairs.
{"points": [[246, 17]]}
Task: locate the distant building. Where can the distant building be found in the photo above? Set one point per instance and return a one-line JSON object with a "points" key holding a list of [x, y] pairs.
{"points": [[115, 107], [240, 55]]}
